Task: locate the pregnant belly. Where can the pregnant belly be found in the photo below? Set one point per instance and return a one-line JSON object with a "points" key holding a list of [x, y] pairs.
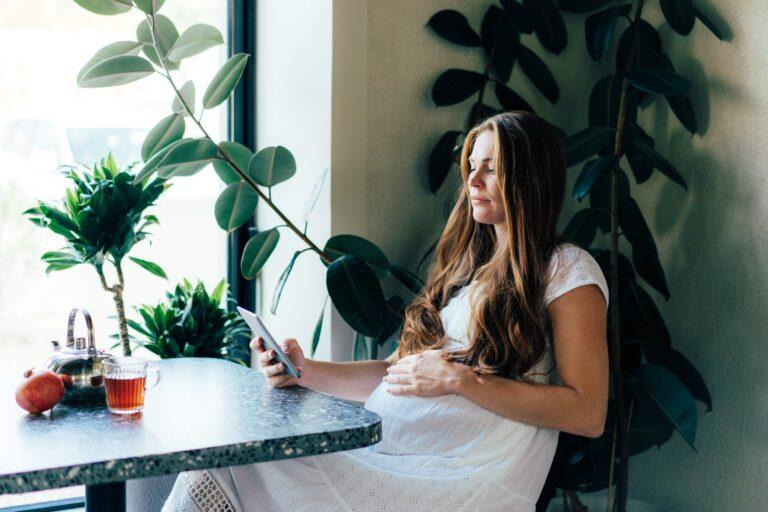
{"points": [[446, 425]]}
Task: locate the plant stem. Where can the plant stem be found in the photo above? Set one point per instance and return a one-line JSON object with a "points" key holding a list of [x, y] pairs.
{"points": [[243, 175], [117, 295], [622, 483]]}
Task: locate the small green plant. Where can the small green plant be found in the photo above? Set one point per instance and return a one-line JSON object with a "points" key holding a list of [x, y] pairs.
{"points": [[193, 323], [101, 219]]}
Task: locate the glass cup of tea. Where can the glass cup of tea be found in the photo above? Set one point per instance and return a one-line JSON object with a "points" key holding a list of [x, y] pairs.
{"points": [[125, 381]]}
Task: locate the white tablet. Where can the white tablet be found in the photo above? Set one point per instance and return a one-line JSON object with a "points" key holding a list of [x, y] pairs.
{"points": [[260, 330]]}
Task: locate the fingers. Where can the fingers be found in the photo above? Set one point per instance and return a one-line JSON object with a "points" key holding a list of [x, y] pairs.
{"points": [[266, 356], [274, 369], [289, 344], [283, 380], [257, 344]]}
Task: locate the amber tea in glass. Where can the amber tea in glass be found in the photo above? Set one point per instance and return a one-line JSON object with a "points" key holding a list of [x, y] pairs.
{"points": [[125, 381]]}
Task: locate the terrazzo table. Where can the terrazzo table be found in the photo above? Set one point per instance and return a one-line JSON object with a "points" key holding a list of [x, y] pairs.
{"points": [[205, 413]]}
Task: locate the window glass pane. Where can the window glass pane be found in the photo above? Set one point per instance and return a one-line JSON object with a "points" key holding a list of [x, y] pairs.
{"points": [[47, 121]]}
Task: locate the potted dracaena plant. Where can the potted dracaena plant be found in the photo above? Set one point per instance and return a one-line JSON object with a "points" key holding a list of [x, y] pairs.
{"points": [[193, 323], [101, 219], [355, 266], [654, 385]]}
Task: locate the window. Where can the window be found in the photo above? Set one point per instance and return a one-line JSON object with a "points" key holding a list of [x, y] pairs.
{"points": [[47, 121]]}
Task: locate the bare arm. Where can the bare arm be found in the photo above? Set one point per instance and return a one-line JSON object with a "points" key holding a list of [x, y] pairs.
{"points": [[578, 406], [353, 380]]}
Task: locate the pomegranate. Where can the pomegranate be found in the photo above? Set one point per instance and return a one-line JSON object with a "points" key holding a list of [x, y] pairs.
{"points": [[39, 391]]}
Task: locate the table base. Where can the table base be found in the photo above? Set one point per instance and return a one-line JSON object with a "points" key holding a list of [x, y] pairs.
{"points": [[105, 497]]}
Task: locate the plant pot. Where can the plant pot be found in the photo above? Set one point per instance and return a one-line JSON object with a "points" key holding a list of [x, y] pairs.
{"points": [[597, 503]]}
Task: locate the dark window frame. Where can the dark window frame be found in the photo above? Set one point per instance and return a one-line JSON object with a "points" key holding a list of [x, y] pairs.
{"points": [[241, 127]]}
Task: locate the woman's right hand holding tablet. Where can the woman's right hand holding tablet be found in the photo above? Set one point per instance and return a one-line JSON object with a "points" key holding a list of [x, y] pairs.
{"points": [[274, 371]]}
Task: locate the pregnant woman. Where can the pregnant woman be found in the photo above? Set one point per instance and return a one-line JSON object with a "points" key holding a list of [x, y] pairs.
{"points": [[504, 347]]}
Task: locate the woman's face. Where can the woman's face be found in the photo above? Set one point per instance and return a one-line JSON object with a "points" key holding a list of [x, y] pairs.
{"points": [[484, 190]]}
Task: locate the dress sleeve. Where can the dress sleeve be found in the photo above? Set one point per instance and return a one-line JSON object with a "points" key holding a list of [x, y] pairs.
{"points": [[571, 267]]}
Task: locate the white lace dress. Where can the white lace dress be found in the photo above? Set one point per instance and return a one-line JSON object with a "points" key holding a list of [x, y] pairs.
{"points": [[441, 453]]}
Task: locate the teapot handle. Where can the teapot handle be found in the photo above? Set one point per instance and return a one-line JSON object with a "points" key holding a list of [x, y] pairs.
{"points": [[71, 329]]}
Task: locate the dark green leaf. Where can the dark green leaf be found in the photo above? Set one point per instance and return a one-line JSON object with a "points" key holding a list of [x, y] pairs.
{"points": [[453, 26], [118, 70], [679, 15], [519, 15], [583, 226], [236, 152], [225, 80], [456, 85], [681, 107], [648, 428], [659, 162], [580, 6], [599, 29], [257, 252], [235, 205], [500, 39], [659, 81], [105, 7], [604, 103], [441, 160], [356, 293], [641, 165], [582, 145], [538, 73], [679, 365], [509, 99], [407, 278], [548, 24], [168, 130], [281, 283], [648, 40], [657, 388], [342, 245], [705, 20], [641, 317], [590, 173], [152, 268], [271, 166], [644, 253], [186, 158]]}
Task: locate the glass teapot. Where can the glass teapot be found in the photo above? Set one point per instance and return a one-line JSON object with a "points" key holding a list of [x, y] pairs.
{"points": [[78, 364]]}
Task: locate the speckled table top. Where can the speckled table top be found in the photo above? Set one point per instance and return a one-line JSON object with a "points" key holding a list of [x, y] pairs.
{"points": [[204, 413]]}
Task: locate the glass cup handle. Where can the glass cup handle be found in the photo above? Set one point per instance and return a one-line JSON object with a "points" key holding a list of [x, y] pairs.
{"points": [[156, 371]]}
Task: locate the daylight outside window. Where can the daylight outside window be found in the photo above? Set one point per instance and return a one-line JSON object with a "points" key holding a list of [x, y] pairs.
{"points": [[46, 121]]}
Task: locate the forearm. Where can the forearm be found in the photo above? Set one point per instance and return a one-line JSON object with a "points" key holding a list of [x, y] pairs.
{"points": [[557, 407], [353, 380]]}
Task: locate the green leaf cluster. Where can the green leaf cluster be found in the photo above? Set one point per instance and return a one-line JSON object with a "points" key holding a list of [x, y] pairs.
{"points": [[193, 323], [500, 40], [101, 217]]}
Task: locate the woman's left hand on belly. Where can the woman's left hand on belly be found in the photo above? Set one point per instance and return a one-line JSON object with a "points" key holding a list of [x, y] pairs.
{"points": [[424, 374]]}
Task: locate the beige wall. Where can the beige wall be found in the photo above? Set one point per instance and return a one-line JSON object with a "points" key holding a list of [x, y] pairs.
{"points": [[712, 239]]}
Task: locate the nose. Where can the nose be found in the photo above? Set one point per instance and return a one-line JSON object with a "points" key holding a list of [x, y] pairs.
{"points": [[475, 178]]}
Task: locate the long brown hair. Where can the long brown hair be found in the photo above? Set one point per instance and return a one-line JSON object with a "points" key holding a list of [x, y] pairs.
{"points": [[508, 323]]}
